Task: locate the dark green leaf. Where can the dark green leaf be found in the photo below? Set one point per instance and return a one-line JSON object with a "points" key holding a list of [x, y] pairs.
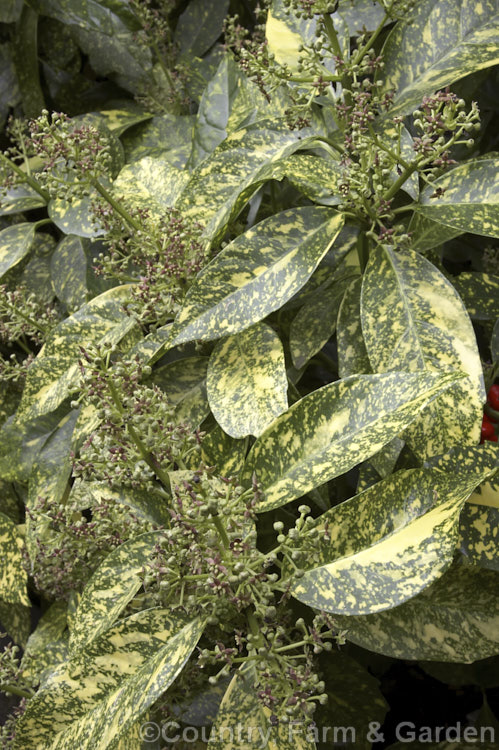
{"points": [[199, 26], [69, 272]]}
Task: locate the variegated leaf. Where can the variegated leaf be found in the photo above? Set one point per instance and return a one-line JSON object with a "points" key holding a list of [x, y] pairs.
{"points": [[221, 185], [315, 322], [184, 382], [15, 244], [257, 273], [352, 353], [68, 267], [314, 176], [199, 26], [246, 381], [13, 576], [438, 624], [54, 374], [444, 41], [480, 294], [385, 461], [220, 450], [479, 527], [427, 234], [142, 503], [128, 115], [97, 694], [334, 428], [19, 198], [387, 544], [47, 645], [243, 723], [470, 200], [15, 620], [76, 217], [112, 586], [150, 183], [413, 319], [166, 136], [494, 342]]}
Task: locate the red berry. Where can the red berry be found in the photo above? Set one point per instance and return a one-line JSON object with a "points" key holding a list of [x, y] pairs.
{"points": [[488, 431], [493, 397]]}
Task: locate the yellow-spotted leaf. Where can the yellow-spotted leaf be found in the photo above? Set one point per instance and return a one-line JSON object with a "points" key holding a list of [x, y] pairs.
{"points": [[427, 234], [257, 273], [15, 620], [226, 453], [315, 322], [119, 120], [68, 270], [243, 723], [445, 40], [152, 183], [413, 319], [54, 375], [47, 646], [470, 199], [480, 294], [112, 586], [184, 382], [143, 503], [335, 428], [314, 176], [15, 244], [94, 697], [13, 576], [246, 381], [385, 545], [352, 353], [221, 185], [76, 217], [479, 527], [20, 198], [438, 624]]}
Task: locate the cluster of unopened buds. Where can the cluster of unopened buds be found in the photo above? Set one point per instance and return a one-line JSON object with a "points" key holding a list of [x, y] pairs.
{"points": [[490, 421]]}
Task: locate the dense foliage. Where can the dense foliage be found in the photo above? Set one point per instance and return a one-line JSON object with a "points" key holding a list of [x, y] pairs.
{"points": [[249, 336]]}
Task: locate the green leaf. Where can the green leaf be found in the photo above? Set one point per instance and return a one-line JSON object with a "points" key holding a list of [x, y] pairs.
{"points": [[15, 244], [352, 353], [412, 318], [314, 176], [220, 450], [444, 41], [184, 382], [427, 234], [478, 526], [68, 268], [257, 273], [470, 202], [246, 381], [9, 89], [438, 624], [112, 586], [480, 294], [152, 183], [75, 217], [243, 723], [54, 374], [99, 693], [199, 26], [315, 322], [13, 576], [166, 136], [334, 428], [221, 185], [10, 10], [19, 198], [15, 619], [143, 504], [125, 115], [354, 701], [387, 544], [47, 645], [104, 16]]}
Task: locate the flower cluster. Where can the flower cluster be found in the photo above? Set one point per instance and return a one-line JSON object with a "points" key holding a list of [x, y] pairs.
{"points": [[11, 672], [74, 537], [138, 440], [164, 257]]}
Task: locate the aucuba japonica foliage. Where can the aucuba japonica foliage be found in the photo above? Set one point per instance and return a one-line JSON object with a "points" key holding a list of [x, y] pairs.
{"points": [[249, 349]]}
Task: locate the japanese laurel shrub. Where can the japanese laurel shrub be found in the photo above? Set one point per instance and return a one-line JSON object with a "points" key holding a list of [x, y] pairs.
{"points": [[248, 324]]}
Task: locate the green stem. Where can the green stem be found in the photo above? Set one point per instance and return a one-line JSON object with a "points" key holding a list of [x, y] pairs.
{"points": [[393, 190], [26, 178], [146, 455], [26, 318], [221, 531], [13, 690], [370, 42], [312, 79], [116, 206]]}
